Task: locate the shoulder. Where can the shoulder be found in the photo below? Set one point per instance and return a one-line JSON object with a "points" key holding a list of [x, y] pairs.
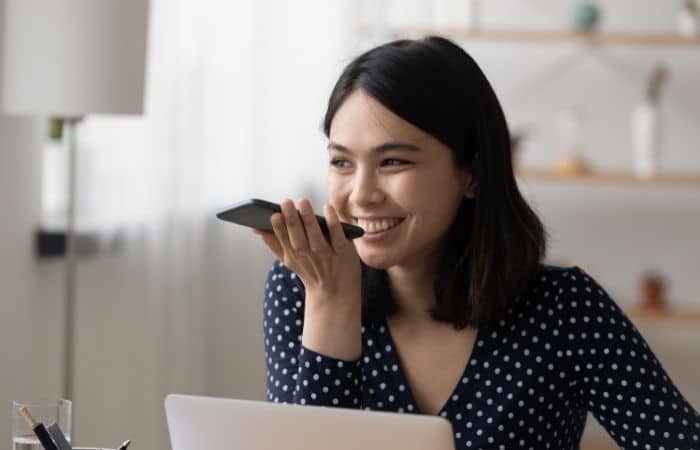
{"points": [[574, 300], [565, 292], [561, 283]]}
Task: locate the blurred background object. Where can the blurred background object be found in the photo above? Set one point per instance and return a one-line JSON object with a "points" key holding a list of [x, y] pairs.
{"points": [[571, 163], [653, 292], [647, 125], [688, 19], [235, 92], [88, 58], [585, 15]]}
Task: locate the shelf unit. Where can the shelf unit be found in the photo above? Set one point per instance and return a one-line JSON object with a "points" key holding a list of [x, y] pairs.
{"points": [[546, 36], [615, 177], [524, 36]]}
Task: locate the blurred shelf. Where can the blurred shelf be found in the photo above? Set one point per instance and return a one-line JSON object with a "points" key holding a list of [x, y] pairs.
{"points": [[546, 36], [668, 179], [664, 318]]}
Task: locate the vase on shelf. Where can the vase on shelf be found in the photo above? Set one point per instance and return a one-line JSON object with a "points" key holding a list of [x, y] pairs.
{"points": [[647, 126], [645, 135], [652, 287], [585, 16], [688, 18]]}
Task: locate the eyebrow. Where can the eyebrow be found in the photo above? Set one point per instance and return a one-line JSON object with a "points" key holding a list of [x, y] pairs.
{"points": [[378, 149]]}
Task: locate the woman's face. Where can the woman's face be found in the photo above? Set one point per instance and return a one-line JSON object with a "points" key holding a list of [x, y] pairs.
{"points": [[394, 180]]}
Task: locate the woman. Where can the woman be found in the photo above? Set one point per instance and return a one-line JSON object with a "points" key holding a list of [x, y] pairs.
{"points": [[443, 306]]}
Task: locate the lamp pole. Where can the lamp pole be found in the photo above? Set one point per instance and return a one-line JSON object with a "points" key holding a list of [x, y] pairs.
{"points": [[71, 124]]}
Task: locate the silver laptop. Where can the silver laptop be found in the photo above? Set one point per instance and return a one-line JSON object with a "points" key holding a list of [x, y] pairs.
{"points": [[208, 423]]}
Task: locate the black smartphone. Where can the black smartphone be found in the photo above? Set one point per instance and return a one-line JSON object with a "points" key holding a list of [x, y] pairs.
{"points": [[256, 213]]}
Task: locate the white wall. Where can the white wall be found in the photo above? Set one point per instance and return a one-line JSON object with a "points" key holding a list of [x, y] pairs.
{"points": [[30, 292]]}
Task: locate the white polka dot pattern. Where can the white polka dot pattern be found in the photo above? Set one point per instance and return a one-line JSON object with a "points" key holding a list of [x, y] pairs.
{"points": [[563, 349]]}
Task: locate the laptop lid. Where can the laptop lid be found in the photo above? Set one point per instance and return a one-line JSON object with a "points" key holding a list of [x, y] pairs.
{"points": [[197, 423]]}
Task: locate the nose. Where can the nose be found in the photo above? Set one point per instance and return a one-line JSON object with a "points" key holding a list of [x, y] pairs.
{"points": [[366, 189]]}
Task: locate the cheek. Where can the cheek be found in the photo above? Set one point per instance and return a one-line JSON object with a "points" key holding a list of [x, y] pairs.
{"points": [[403, 188], [337, 191], [434, 199], [413, 192]]}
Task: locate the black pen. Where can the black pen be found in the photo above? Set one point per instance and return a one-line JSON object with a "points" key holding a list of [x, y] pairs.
{"points": [[58, 437], [124, 445], [39, 430]]}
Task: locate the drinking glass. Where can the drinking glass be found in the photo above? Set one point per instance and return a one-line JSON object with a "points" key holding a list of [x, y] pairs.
{"points": [[23, 437]]}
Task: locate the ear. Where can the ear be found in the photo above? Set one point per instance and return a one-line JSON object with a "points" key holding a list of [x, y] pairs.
{"points": [[467, 183]]}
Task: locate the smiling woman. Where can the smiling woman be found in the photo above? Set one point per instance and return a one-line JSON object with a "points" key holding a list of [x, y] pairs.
{"points": [[432, 96], [444, 306]]}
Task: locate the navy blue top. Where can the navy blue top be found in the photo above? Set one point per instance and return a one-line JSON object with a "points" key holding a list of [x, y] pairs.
{"points": [[564, 348]]}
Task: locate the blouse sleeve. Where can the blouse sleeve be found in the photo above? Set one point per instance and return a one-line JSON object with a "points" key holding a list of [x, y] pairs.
{"points": [[296, 374], [620, 379]]}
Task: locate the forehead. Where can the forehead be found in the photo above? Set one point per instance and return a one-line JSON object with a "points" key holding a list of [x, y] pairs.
{"points": [[362, 122]]}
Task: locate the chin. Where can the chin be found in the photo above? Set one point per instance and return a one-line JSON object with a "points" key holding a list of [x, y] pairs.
{"points": [[376, 261]]}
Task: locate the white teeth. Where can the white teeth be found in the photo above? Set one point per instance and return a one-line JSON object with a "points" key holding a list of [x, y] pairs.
{"points": [[377, 226]]}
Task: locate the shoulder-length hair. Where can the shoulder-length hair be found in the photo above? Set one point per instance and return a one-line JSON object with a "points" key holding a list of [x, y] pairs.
{"points": [[495, 245]]}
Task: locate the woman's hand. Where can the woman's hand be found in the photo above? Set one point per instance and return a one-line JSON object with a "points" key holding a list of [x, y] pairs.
{"points": [[328, 269]]}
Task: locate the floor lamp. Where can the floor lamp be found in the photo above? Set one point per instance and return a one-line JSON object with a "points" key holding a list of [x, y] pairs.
{"points": [[70, 59]]}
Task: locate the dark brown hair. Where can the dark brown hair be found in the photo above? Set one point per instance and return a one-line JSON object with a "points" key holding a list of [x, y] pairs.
{"points": [[493, 249]]}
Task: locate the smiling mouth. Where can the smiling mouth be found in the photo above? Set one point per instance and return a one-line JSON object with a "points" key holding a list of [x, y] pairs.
{"points": [[377, 226]]}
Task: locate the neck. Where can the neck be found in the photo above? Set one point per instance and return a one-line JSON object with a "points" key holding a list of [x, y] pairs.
{"points": [[412, 290]]}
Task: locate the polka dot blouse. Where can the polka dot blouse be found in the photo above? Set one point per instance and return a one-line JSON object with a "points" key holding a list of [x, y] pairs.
{"points": [[563, 349]]}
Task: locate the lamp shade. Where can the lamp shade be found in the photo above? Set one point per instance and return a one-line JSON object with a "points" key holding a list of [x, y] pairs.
{"points": [[71, 58]]}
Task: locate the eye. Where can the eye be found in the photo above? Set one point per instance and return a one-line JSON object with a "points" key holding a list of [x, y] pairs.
{"points": [[394, 162], [340, 163]]}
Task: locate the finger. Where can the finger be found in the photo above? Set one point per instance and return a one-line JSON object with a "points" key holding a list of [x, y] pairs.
{"points": [[317, 241], [272, 243], [280, 230], [295, 228], [338, 239]]}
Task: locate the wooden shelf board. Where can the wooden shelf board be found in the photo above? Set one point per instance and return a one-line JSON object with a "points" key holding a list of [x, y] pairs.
{"points": [[545, 36], [677, 179], [673, 318]]}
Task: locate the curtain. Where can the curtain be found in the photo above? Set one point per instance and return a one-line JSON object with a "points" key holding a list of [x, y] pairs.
{"points": [[171, 301]]}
